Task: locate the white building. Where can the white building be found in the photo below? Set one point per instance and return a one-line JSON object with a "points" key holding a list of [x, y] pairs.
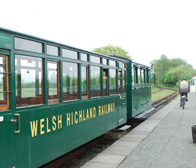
{"points": [[193, 84]]}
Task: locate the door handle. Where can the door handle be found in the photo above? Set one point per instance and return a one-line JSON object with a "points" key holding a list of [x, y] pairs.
{"points": [[14, 121]]}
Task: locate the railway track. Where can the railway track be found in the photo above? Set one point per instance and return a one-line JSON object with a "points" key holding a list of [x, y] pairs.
{"points": [[165, 99]]}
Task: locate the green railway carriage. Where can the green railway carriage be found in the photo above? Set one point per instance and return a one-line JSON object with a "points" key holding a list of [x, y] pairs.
{"points": [[55, 98], [138, 89]]}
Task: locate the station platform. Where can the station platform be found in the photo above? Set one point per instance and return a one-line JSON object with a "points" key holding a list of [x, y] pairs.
{"points": [[164, 140]]}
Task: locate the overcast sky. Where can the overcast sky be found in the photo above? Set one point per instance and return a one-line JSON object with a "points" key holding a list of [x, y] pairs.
{"points": [[145, 28]]}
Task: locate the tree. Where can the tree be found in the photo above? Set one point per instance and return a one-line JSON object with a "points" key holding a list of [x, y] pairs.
{"points": [[176, 74], [177, 62], [112, 50], [171, 71], [160, 67]]}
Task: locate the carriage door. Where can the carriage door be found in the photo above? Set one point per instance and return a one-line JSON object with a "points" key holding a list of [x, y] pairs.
{"points": [[7, 151], [122, 106]]}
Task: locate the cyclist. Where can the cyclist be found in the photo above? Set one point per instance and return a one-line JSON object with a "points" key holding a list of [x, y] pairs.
{"points": [[183, 89]]}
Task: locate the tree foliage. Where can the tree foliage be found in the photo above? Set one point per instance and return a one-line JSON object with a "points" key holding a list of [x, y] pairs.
{"points": [[176, 74], [112, 50], [171, 71]]}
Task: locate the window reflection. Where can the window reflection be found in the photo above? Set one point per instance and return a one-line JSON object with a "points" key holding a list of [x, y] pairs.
{"points": [[105, 82], [139, 75], [120, 82], [4, 83], [29, 81], [84, 82], [112, 63], [53, 82], [104, 61], [70, 81], [83, 57], [95, 59], [121, 65], [144, 75], [28, 45], [113, 87], [70, 54], [133, 75], [95, 81], [124, 82], [148, 75], [52, 50]]}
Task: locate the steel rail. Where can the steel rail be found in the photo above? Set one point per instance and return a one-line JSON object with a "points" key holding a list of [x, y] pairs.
{"points": [[165, 99]]}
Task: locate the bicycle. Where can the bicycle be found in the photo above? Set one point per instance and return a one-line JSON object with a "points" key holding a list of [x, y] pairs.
{"points": [[183, 101]]}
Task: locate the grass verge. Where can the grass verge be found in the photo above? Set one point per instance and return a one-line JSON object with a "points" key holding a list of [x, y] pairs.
{"points": [[161, 94]]}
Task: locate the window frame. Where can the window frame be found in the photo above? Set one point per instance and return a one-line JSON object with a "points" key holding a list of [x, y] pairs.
{"points": [[77, 65], [30, 40], [71, 51], [139, 75], [120, 81], [6, 73], [148, 75], [112, 63], [31, 98], [52, 46], [81, 57], [115, 81], [87, 82], [53, 101], [100, 88], [124, 79], [95, 59], [133, 75], [107, 81]]}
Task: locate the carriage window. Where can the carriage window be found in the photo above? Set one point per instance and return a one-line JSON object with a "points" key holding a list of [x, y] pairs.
{"points": [[83, 57], [113, 87], [53, 82], [148, 76], [120, 82], [124, 81], [133, 75], [136, 74], [69, 54], [52, 50], [142, 76], [84, 82], [112, 63], [4, 83], [104, 61], [70, 81], [105, 82], [95, 59], [28, 45], [121, 65], [139, 75], [95, 81], [29, 80]]}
